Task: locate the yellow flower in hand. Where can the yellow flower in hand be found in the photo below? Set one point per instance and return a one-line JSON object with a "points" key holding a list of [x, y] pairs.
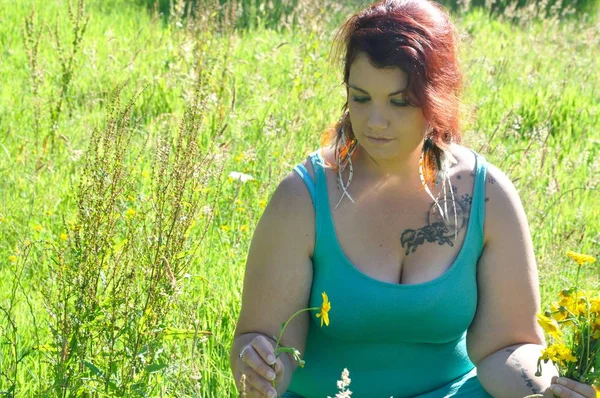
{"points": [[325, 307], [580, 258], [549, 325], [557, 313], [595, 305]]}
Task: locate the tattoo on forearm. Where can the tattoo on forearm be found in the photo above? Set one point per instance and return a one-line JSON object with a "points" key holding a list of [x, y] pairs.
{"points": [[524, 375]]}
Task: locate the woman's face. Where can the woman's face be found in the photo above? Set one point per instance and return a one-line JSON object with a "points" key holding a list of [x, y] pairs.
{"points": [[384, 124]]}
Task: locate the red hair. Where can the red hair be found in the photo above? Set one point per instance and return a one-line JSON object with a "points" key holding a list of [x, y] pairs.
{"points": [[418, 37]]}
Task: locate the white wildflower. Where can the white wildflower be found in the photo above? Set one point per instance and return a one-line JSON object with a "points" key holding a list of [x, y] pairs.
{"points": [[236, 175], [343, 384]]}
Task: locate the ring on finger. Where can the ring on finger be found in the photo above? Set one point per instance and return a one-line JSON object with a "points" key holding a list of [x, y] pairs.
{"points": [[242, 352]]}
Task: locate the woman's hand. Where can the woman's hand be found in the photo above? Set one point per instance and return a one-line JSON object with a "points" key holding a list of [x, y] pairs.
{"points": [[568, 388], [256, 359]]}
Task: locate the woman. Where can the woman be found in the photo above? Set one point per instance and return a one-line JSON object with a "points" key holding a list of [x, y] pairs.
{"points": [[421, 246]]}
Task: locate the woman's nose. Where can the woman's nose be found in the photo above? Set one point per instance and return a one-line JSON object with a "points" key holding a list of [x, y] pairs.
{"points": [[377, 121]]}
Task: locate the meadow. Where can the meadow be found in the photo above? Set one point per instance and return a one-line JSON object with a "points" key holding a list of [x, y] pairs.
{"points": [[123, 224]]}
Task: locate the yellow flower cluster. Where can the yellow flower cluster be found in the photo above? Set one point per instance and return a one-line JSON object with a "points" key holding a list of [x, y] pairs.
{"points": [[573, 325], [573, 308], [575, 303], [558, 353]]}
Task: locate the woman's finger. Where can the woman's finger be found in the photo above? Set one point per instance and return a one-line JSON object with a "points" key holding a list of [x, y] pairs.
{"points": [[251, 392], [255, 362], [264, 349], [583, 389], [279, 369], [257, 384]]}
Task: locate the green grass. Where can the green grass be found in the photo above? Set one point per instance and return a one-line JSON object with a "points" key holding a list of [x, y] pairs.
{"points": [[532, 89]]}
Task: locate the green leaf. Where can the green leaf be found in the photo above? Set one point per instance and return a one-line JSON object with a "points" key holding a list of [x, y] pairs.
{"points": [[155, 367], [171, 333], [93, 368]]}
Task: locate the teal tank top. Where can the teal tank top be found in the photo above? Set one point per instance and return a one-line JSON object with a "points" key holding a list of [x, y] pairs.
{"points": [[395, 340]]}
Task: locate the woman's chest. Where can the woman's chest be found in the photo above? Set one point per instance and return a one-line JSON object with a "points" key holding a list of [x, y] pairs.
{"points": [[408, 243]]}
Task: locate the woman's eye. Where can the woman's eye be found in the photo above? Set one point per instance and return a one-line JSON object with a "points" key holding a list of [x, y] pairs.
{"points": [[400, 103], [361, 100]]}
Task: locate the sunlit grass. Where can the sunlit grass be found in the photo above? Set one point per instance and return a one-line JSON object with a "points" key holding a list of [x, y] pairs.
{"points": [[531, 92]]}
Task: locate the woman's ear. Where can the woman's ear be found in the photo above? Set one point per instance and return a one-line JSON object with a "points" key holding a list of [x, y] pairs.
{"points": [[428, 131]]}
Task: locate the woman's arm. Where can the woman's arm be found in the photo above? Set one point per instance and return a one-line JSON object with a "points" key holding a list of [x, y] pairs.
{"points": [[504, 339], [497, 373], [278, 276], [510, 371]]}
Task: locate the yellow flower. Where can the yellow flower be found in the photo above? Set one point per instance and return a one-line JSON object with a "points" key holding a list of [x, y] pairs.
{"points": [[567, 300], [12, 259], [262, 204], [549, 353], [225, 228], [145, 174], [558, 353], [557, 314], [549, 325], [244, 228], [240, 209], [38, 228], [325, 307], [595, 305], [580, 258], [64, 236], [566, 354], [2, 218], [130, 213]]}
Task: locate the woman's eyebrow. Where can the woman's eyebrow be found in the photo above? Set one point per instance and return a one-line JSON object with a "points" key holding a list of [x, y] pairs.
{"points": [[365, 91]]}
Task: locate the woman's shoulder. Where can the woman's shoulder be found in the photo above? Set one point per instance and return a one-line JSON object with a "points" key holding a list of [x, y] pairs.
{"points": [[497, 182], [503, 207], [467, 161]]}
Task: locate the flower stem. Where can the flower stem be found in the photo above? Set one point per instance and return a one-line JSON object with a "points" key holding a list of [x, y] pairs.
{"points": [[276, 351], [285, 326]]}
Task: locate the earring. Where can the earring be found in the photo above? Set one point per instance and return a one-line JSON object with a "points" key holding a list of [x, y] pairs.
{"points": [[434, 168], [344, 158]]}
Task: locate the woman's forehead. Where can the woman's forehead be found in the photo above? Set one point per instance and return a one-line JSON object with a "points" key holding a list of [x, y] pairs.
{"points": [[370, 78]]}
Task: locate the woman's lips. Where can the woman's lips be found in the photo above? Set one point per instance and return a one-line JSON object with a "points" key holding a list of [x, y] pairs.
{"points": [[379, 140]]}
